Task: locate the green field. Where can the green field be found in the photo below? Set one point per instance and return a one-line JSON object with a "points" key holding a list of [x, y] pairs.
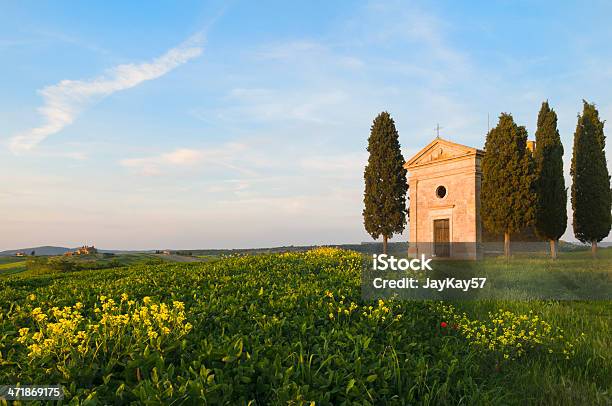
{"points": [[291, 329], [12, 265]]}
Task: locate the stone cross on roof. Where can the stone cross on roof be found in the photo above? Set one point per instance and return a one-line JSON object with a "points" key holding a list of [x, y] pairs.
{"points": [[437, 130]]}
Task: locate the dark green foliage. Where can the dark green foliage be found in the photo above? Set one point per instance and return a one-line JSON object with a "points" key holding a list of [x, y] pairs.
{"points": [[507, 179], [385, 181], [591, 195], [551, 195]]}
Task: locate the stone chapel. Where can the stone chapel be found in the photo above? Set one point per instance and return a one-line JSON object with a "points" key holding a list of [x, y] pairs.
{"points": [[444, 181]]}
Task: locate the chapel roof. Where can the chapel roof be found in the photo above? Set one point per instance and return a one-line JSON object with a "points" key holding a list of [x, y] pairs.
{"points": [[440, 150]]}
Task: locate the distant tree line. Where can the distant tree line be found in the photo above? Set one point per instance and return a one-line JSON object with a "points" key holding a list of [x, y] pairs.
{"points": [[168, 252]]}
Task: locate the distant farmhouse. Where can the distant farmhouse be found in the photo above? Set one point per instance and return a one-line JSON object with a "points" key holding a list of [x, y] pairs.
{"points": [[444, 182], [84, 250]]}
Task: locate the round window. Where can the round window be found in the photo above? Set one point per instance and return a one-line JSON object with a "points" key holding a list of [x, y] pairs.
{"points": [[441, 192]]}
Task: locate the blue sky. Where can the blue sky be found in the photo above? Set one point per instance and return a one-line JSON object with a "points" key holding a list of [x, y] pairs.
{"points": [[244, 124]]}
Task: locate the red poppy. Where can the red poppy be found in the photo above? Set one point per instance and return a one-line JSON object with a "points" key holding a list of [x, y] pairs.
{"points": [[443, 324]]}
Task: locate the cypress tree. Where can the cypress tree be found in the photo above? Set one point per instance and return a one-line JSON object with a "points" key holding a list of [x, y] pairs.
{"points": [[551, 195], [591, 194], [507, 180], [385, 182]]}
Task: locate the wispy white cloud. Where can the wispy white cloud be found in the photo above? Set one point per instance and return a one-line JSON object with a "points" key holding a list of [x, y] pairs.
{"points": [[260, 105], [64, 101], [307, 52], [345, 166], [152, 165], [227, 156], [74, 155]]}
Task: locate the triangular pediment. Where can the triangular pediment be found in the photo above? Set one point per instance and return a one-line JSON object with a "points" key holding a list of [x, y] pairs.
{"points": [[439, 150]]}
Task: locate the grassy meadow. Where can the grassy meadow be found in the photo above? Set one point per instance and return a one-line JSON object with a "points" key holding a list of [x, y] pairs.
{"points": [[12, 265], [291, 328]]}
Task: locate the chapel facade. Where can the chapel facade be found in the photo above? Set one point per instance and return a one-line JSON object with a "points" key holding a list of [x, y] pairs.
{"points": [[444, 181]]}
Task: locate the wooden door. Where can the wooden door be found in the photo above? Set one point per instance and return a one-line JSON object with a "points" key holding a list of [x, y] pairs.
{"points": [[442, 238]]}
